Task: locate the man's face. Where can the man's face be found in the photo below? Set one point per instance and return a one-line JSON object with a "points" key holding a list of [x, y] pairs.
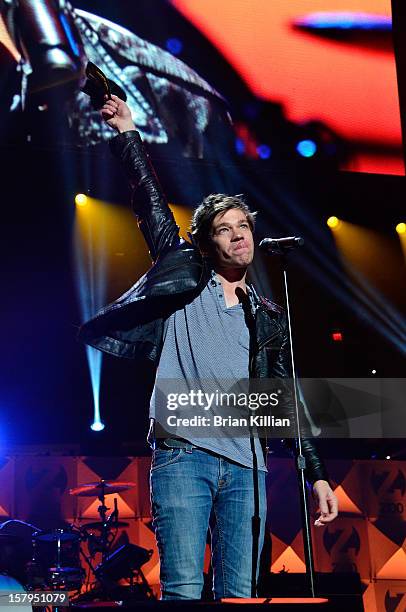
{"points": [[232, 243]]}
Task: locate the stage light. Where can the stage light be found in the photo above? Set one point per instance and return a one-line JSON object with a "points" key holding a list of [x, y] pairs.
{"points": [[401, 228], [373, 372], [174, 45], [306, 148], [387, 457], [239, 146], [80, 199], [264, 151], [333, 222], [337, 336], [97, 426], [344, 20], [102, 232]]}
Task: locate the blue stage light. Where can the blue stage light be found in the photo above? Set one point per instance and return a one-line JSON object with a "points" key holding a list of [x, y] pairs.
{"points": [[174, 45], [91, 285], [306, 148], [97, 426], [68, 31], [345, 20], [239, 146], [94, 359], [264, 151]]}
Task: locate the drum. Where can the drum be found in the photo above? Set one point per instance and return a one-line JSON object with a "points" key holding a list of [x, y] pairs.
{"points": [[8, 587], [55, 562]]}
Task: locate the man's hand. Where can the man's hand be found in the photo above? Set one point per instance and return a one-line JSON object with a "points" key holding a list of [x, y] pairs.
{"points": [[327, 501], [117, 115]]}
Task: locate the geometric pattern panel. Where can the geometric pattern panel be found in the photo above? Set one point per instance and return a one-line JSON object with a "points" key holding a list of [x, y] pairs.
{"points": [[369, 597], [92, 469], [41, 490], [142, 506], [342, 546], [387, 558], [385, 596], [369, 536], [384, 488], [288, 557], [345, 502], [345, 479]]}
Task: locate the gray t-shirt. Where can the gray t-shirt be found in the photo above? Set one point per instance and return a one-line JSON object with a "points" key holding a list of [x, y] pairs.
{"points": [[206, 341]]}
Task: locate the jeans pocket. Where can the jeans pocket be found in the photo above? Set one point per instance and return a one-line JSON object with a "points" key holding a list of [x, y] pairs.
{"points": [[162, 457]]}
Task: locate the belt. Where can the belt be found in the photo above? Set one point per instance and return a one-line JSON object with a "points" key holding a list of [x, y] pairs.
{"points": [[175, 443]]}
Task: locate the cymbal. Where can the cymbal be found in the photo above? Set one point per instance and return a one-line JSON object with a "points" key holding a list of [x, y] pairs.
{"points": [[106, 487], [99, 525], [63, 535]]}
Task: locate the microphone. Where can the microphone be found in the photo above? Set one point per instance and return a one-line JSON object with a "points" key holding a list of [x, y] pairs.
{"points": [[279, 246]]}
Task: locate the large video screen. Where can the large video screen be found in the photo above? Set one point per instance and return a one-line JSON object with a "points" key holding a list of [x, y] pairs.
{"points": [[330, 60]]}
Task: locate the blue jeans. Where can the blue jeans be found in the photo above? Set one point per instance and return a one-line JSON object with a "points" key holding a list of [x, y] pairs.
{"points": [[192, 490]]}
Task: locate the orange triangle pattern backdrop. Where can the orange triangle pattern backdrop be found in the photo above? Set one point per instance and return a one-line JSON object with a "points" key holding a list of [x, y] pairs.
{"points": [[369, 537]]}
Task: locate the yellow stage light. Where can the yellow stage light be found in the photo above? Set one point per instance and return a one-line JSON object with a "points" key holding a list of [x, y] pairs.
{"points": [[401, 228], [80, 199], [333, 222]]}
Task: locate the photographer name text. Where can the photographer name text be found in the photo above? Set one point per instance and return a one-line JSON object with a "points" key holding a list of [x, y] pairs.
{"points": [[219, 421]]}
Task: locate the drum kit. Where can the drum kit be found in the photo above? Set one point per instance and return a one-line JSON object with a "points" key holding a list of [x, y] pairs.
{"points": [[56, 555]]}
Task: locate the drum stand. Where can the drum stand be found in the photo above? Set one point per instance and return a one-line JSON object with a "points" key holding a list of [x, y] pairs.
{"points": [[125, 561]]}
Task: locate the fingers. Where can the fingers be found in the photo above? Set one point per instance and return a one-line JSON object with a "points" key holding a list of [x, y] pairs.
{"points": [[323, 505], [323, 519], [114, 100], [110, 107], [117, 114], [328, 509], [107, 112]]}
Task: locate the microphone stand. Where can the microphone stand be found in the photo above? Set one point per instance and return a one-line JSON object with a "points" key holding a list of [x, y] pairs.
{"points": [[281, 247], [300, 459]]}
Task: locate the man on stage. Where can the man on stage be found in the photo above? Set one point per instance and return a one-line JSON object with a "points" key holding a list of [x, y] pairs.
{"points": [[194, 316]]}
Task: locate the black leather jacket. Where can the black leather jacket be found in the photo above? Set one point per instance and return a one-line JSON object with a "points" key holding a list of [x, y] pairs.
{"points": [[132, 326]]}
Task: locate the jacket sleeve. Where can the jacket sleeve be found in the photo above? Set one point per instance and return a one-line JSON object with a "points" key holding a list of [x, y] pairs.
{"points": [[315, 468], [155, 219]]}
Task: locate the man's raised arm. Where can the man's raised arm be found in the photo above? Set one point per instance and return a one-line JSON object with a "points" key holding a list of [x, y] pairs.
{"points": [[154, 216]]}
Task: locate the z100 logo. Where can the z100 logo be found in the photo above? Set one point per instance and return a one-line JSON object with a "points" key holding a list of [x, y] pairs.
{"points": [[339, 543], [395, 602], [392, 486]]}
